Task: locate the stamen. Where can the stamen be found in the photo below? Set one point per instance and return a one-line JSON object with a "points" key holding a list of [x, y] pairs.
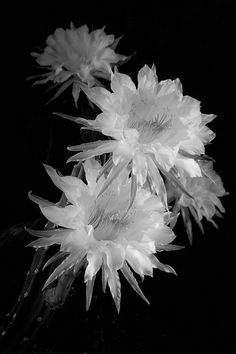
{"points": [[150, 129]]}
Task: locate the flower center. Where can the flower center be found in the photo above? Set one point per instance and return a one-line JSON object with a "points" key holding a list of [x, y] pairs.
{"points": [[145, 118], [108, 225]]}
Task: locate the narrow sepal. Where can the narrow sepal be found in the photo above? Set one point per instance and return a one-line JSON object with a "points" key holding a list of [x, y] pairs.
{"points": [[188, 223], [126, 271], [164, 267], [55, 258], [40, 201], [44, 233], [194, 214], [89, 291], [115, 288], [63, 87]]}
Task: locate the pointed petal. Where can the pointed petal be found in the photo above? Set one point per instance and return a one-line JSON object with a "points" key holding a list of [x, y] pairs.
{"points": [[42, 243], [139, 261], [89, 291], [104, 277], [94, 259], [63, 87], [76, 92], [88, 146], [91, 169], [106, 147], [194, 214], [164, 267], [55, 258], [70, 216], [40, 201], [188, 223], [72, 186], [73, 119], [105, 168], [115, 255], [126, 271], [120, 82], [115, 288], [45, 233], [100, 96], [169, 248], [67, 264]]}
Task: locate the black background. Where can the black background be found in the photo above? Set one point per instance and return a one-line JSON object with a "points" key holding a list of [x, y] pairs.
{"points": [[192, 40]]}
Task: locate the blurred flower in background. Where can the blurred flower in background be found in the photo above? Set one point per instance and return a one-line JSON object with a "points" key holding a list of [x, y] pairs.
{"points": [[75, 57]]}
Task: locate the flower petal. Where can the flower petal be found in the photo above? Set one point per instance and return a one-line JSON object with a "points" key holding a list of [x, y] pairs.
{"points": [[132, 281], [72, 186], [115, 287], [94, 258], [115, 255], [140, 262]]}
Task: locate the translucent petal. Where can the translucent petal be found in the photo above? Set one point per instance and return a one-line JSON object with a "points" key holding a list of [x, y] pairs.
{"points": [[55, 258], [72, 186], [67, 264], [106, 147], [43, 243], [140, 262], [147, 79], [78, 120], [121, 81], [139, 167], [164, 267], [126, 271], [88, 146], [188, 223], [40, 201], [63, 87], [70, 217], [189, 165], [100, 96], [94, 259], [76, 91], [115, 288], [115, 256], [91, 169], [46, 233], [89, 291]]}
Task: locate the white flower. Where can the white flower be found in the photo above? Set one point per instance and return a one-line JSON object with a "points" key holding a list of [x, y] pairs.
{"points": [[75, 56], [100, 232], [205, 202], [153, 126]]}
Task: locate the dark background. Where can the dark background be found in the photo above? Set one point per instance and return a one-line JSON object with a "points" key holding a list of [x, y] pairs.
{"points": [[192, 40]]}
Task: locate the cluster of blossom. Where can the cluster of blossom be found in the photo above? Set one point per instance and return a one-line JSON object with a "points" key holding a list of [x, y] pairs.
{"points": [[125, 211]]}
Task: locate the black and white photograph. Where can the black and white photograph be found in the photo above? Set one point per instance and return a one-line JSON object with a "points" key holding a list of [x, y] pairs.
{"points": [[117, 231]]}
